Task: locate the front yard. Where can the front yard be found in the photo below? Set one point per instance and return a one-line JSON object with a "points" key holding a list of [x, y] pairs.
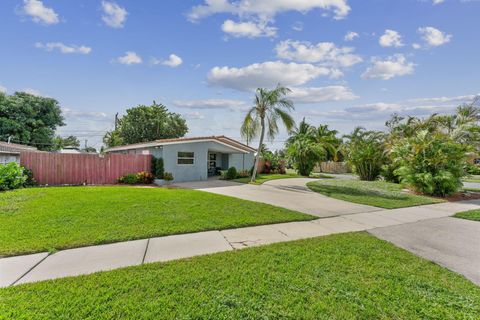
{"points": [[348, 276], [375, 193], [469, 215], [45, 219]]}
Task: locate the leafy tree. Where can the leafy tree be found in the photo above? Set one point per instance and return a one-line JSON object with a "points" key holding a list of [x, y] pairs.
{"points": [[431, 163], [270, 106], [305, 154], [330, 142], [146, 123], [61, 143], [365, 151], [90, 149], [29, 119]]}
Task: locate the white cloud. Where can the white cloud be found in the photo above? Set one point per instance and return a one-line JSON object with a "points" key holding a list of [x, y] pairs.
{"points": [[63, 48], [416, 46], [393, 66], [93, 115], [351, 35], [220, 104], [114, 16], [297, 26], [129, 58], [33, 92], [326, 53], [193, 115], [173, 61], [39, 13], [3, 89], [321, 94], [435, 2], [434, 37], [391, 38], [248, 29], [442, 100], [267, 9], [268, 74]]}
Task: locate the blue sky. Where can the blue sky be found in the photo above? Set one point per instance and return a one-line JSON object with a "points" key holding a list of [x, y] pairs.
{"points": [[348, 62]]}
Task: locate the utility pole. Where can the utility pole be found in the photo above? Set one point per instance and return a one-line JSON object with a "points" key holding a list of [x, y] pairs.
{"points": [[86, 143], [116, 121]]}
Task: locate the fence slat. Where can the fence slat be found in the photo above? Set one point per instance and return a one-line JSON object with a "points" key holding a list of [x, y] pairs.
{"points": [[75, 169]]}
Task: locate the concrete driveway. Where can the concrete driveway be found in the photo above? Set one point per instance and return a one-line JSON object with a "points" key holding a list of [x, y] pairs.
{"points": [[451, 242], [291, 193]]}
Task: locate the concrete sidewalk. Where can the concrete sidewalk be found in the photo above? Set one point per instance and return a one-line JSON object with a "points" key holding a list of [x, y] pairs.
{"points": [[73, 262]]}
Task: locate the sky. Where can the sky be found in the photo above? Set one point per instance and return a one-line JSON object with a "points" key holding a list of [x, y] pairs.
{"points": [[348, 62]]}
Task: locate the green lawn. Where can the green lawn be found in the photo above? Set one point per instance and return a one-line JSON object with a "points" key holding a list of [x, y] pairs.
{"points": [[40, 219], [347, 276], [472, 178], [375, 193], [262, 178], [469, 215]]}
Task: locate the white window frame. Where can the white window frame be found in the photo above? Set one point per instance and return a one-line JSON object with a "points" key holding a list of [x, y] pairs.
{"points": [[186, 158]]}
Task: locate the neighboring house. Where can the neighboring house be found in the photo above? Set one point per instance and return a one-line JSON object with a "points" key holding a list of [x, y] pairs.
{"points": [[10, 152], [192, 159]]}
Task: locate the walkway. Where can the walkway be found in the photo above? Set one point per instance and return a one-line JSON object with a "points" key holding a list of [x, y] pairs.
{"points": [[291, 193], [73, 262]]}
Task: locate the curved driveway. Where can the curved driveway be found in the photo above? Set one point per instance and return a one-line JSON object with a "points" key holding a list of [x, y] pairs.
{"points": [[291, 193]]}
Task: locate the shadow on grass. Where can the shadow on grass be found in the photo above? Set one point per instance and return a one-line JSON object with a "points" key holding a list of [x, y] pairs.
{"points": [[357, 191]]}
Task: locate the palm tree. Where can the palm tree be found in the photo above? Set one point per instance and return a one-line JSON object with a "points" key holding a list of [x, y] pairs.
{"points": [[270, 106]]}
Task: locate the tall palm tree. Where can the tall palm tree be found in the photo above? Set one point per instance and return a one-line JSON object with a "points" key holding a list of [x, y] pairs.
{"points": [[270, 106]]}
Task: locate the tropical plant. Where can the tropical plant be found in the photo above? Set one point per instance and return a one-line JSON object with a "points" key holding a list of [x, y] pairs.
{"points": [[330, 142], [12, 176], [157, 169], [61, 143], [231, 173], [365, 151], [432, 164], [305, 154], [168, 176], [262, 119]]}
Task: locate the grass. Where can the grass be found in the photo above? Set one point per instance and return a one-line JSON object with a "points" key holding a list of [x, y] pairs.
{"points": [[45, 219], [469, 215], [472, 178], [374, 193], [347, 276], [262, 178]]}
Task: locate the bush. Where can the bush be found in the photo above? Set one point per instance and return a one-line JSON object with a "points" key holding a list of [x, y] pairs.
{"points": [[145, 177], [365, 152], [168, 176], [432, 164], [473, 169], [158, 167], [243, 174], [305, 153], [30, 182], [128, 179], [389, 173], [12, 176], [231, 173]]}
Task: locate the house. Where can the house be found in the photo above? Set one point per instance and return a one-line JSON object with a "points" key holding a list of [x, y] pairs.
{"points": [[10, 152], [193, 159]]}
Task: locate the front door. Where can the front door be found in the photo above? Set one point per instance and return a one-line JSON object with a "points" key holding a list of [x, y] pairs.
{"points": [[212, 164]]}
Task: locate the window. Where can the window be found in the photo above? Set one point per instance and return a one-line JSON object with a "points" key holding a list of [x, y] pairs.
{"points": [[185, 158]]}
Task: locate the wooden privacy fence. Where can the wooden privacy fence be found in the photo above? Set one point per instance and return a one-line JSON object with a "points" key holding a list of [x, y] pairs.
{"points": [[75, 169], [333, 167]]}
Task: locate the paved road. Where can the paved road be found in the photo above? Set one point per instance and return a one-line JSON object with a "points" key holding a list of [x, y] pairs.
{"points": [[289, 193], [451, 242]]}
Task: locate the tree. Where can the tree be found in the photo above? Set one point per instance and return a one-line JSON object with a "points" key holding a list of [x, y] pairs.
{"points": [[146, 123], [29, 119], [270, 106], [365, 151], [330, 142], [62, 143]]}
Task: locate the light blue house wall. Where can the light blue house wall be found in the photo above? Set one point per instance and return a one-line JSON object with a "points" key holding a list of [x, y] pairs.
{"points": [[226, 157]]}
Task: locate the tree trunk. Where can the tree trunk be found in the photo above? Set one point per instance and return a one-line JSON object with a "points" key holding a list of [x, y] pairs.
{"points": [[257, 157]]}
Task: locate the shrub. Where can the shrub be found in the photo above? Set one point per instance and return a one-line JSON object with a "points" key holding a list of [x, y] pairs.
{"points": [[305, 153], [12, 176], [365, 152], [243, 174], [231, 173], [159, 168], [145, 177], [473, 169], [389, 173], [30, 181], [128, 179], [432, 164], [168, 176]]}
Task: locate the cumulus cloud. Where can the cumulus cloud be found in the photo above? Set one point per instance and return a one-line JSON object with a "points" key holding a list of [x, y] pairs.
{"points": [[298, 26], [248, 29], [351, 35], [63, 48], [267, 9], [39, 13], [268, 74], [391, 38], [172, 61], [321, 94], [113, 15], [33, 92], [434, 37], [393, 66], [129, 58], [325, 53], [457, 100], [93, 115], [206, 104], [3, 89], [194, 115]]}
